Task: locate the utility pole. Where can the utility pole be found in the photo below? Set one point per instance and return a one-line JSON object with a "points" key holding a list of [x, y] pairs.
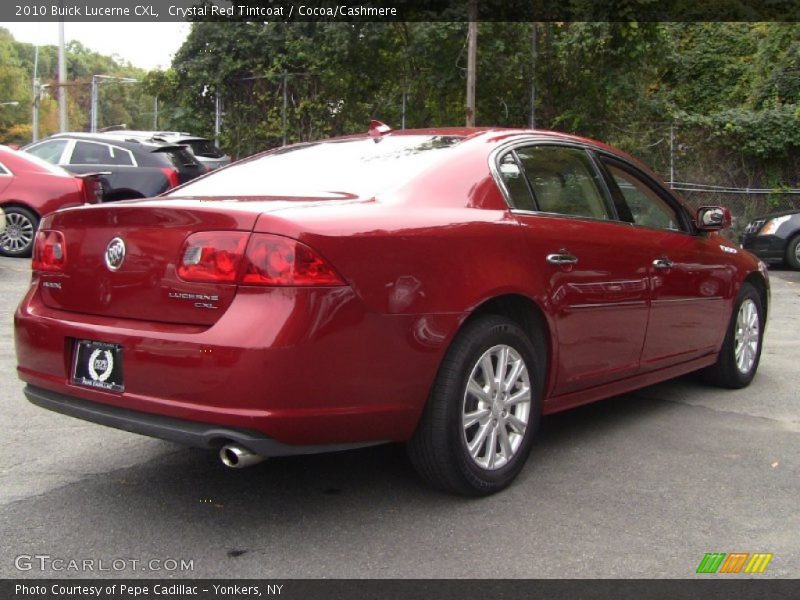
{"points": [[671, 155], [472, 49], [533, 75], [35, 105], [62, 77], [155, 114], [217, 118], [403, 115], [285, 104]]}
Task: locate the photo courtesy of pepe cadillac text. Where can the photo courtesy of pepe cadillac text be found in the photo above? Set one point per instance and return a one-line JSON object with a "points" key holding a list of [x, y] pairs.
{"points": [[64, 590]]}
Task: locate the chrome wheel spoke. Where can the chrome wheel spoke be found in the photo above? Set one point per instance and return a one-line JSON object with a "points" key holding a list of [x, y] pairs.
{"points": [[491, 448], [477, 390], [488, 371], [513, 376], [502, 367], [478, 416], [516, 424], [476, 444], [505, 442], [523, 395]]}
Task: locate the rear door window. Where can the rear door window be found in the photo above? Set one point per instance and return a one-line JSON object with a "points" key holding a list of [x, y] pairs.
{"points": [[564, 181], [91, 153]]}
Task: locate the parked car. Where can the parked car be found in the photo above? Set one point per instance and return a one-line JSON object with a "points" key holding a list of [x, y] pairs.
{"points": [[31, 188], [440, 287], [204, 149], [131, 167], [775, 238]]}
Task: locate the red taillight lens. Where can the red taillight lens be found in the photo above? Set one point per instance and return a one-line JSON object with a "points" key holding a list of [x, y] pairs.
{"points": [[49, 251], [212, 256], [276, 260], [172, 176], [92, 190]]}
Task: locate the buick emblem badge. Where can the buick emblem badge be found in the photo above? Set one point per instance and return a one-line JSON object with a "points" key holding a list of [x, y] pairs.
{"points": [[115, 254]]}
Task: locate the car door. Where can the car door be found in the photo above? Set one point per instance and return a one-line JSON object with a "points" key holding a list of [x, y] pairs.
{"points": [[93, 157], [595, 273], [691, 282]]}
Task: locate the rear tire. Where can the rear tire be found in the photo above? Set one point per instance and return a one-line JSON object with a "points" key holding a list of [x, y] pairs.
{"points": [[21, 225], [741, 351], [483, 411], [793, 253]]}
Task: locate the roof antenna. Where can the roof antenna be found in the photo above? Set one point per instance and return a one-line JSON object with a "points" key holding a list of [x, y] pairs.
{"points": [[378, 129]]}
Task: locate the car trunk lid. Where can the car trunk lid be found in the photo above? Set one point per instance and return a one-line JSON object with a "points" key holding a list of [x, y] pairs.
{"points": [[145, 285]]}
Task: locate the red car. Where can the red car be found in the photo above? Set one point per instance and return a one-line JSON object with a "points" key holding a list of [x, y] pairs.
{"points": [[31, 188], [444, 288]]}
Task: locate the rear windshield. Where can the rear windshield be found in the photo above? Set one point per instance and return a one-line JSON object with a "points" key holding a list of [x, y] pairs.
{"points": [[205, 148], [180, 157], [334, 169]]}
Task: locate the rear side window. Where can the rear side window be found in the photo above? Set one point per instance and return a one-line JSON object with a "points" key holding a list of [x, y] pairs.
{"points": [[49, 151], [89, 153], [564, 181], [3, 170]]}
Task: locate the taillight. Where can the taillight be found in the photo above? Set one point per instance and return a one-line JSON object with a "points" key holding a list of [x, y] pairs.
{"points": [[269, 260], [276, 260], [172, 176], [49, 251], [92, 190], [212, 256]]}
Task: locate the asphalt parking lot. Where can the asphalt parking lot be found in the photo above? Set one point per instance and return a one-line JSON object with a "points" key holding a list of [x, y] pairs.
{"points": [[641, 485]]}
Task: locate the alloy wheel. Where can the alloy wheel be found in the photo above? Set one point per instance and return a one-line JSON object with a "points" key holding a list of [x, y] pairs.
{"points": [[18, 234], [496, 407], [747, 336]]}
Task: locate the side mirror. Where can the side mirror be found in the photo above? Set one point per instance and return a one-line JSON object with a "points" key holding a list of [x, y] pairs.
{"points": [[712, 218]]}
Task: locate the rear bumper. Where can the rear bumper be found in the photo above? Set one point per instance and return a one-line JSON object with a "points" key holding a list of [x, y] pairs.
{"points": [[188, 433], [302, 367], [769, 248]]}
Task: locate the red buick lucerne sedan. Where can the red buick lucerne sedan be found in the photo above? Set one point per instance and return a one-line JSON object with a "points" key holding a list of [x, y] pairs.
{"points": [[441, 287]]}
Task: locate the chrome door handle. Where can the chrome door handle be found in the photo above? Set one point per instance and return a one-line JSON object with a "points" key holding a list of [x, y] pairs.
{"points": [[562, 259], [662, 263]]}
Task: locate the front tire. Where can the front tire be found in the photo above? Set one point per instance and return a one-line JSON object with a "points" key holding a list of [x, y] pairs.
{"points": [[483, 411], [741, 351], [793, 253], [21, 225]]}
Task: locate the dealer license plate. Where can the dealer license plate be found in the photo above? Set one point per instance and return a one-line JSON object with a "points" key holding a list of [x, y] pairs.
{"points": [[98, 365]]}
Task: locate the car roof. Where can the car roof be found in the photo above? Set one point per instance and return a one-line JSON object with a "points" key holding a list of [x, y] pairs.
{"points": [[130, 143], [156, 135]]}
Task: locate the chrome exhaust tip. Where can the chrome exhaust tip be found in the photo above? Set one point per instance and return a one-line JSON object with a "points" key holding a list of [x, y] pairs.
{"points": [[237, 457]]}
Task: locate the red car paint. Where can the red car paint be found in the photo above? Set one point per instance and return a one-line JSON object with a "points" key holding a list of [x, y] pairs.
{"points": [[352, 363]]}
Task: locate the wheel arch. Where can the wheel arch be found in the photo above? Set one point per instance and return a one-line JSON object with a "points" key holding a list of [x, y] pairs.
{"points": [[527, 313], [20, 204], [756, 279]]}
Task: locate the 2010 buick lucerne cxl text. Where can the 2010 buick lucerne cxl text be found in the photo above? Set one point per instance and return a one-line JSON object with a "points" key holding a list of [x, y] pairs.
{"points": [[444, 288]]}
